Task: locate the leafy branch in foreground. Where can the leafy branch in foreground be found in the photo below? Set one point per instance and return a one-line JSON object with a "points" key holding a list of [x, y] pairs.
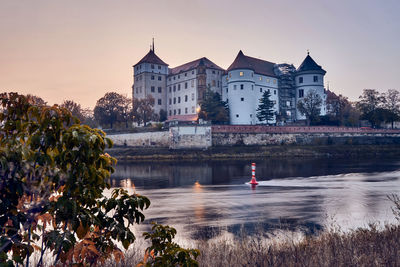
{"points": [[164, 252], [53, 173]]}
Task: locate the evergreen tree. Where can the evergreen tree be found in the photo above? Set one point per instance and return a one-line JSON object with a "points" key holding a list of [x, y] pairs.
{"points": [[265, 110], [214, 109]]}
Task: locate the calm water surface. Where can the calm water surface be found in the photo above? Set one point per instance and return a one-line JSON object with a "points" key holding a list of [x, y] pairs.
{"points": [[205, 198]]}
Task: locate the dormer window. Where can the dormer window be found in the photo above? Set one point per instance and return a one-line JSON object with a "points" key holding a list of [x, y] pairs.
{"points": [[315, 79], [152, 66], [241, 73], [300, 79]]}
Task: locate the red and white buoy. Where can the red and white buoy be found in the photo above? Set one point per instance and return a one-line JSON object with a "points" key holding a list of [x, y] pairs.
{"points": [[253, 174]]}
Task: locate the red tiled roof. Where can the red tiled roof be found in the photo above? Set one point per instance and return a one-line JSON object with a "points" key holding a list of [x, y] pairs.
{"points": [[189, 117], [257, 65], [152, 58], [194, 64], [310, 65]]}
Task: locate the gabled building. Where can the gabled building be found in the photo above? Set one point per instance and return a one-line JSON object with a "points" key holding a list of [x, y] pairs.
{"points": [[180, 90]]}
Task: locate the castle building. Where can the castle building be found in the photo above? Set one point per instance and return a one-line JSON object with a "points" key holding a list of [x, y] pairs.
{"points": [[180, 90]]}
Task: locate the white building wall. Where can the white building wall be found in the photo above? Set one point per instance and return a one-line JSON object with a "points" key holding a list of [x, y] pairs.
{"points": [[178, 87], [308, 84], [146, 76], [243, 103]]}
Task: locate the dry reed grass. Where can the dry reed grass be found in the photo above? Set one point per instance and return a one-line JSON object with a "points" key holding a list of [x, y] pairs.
{"points": [[362, 247]]}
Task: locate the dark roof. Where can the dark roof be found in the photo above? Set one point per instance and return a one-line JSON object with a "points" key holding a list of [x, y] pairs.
{"points": [[194, 64], [257, 65], [310, 65], [152, 58]]}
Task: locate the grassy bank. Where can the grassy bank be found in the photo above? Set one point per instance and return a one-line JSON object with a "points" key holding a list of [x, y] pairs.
{"points": [[244, 152], [362, 247]]}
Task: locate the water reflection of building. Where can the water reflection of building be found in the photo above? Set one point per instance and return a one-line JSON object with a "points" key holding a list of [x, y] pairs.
{"points": [[161, 175]]}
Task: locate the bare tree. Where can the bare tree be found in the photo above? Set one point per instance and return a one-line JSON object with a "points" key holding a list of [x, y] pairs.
{"points": [[310, 106]]}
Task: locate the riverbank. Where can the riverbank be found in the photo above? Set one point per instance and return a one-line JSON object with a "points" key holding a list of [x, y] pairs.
{"points": [[361, 247], [127, 154]]}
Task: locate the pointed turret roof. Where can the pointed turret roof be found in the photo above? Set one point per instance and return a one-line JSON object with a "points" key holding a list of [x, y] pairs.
{"points": [[257, 65], [310, 65], [151, 58]]}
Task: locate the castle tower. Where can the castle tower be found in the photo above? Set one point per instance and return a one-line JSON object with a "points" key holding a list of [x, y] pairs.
{"points": [[310, 76], [150, 78], [246, 80]]}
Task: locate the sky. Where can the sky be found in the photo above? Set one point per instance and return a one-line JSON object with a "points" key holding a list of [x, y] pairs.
{"points": [[80, 49]]}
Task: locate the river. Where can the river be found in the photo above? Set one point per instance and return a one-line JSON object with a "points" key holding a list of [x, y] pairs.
{"points": [[204, 199]]}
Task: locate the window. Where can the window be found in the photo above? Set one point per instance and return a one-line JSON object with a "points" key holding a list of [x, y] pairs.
{"points": [[179, 111], [153, 89], [192, 96], [213, 83], [274, 81], [301, 93], [186, 85], [288, 113], [218, 84], [260, 90], [169, 79], [152, 66], [159, 89], [159, 67], [192, 71], [274, 102], [137, 78], [170, 112], [174, 100], [159, 102], [241, 73], [186, 110], [230, 75], [170, 89], [179, 76], [227, 78], [170, 101], [268, 80], [174, 78], [300, 79], [186, 98], [274, 92], [152, 77], [237, 115], [288, 103], [252, 87], [315, 79], [241, 87], [213, 71], [137, 91], [174, 88], [179, 99], [242, 99], [179, 87], [185, 74], [159, 78], [251, 115], [174, 111], [227, 89], [260, 78], [192, 109], [192, 83], [234, 87]]}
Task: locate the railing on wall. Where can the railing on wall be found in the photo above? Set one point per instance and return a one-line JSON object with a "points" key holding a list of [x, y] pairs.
{"points": [[295, 129]]}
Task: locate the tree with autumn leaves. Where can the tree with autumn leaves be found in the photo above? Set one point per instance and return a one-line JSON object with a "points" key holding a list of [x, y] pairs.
{"points": [[53, 175]]}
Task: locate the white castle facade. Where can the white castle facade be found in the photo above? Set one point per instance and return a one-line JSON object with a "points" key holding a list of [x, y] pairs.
{"points": [[179, 91]]}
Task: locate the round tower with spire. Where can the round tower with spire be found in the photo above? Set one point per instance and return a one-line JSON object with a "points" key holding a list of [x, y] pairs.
{"points": [[310, 77]]}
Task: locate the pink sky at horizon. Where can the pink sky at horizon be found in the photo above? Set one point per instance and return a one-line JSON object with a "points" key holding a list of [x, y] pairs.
{"points": [[80, 50]]}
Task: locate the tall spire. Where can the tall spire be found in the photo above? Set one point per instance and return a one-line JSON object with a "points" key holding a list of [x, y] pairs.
{"points": [[153, 45]]}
